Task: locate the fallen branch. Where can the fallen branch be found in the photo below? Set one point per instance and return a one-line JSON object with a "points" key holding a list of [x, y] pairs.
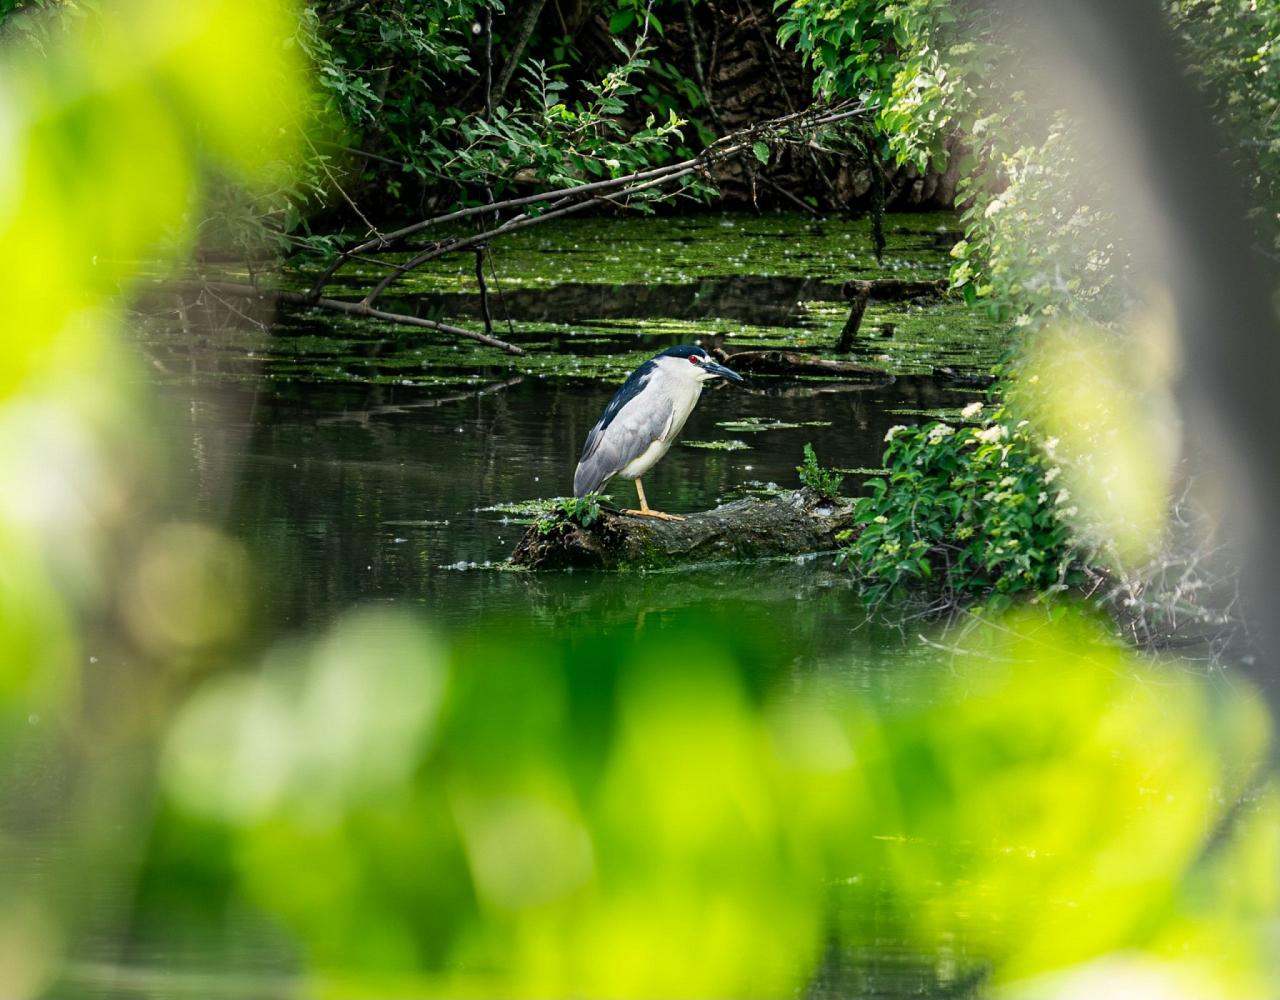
{"points": [[364, 416], [891, 289], [756, 528], [794, 363]]}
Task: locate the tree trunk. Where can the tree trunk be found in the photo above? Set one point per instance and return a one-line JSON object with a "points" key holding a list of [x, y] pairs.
{"points": [[528, 19]]}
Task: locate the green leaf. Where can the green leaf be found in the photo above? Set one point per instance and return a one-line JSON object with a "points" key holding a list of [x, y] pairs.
{"points": [[761, 150]]}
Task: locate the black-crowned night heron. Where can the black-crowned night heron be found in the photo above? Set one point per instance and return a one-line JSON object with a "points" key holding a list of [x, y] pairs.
{"points": [[643, 419]]}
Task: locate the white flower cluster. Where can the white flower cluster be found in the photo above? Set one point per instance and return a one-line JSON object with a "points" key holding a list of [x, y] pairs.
{"points": [[894, 431], [993, 434], [972, 410], [938, 431]]}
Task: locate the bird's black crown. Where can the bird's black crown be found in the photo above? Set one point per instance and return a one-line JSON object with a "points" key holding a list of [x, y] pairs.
{"points": [[684, 351]]}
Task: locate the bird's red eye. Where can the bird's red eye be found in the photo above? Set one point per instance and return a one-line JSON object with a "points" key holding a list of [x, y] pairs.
{"points": [[693, 360]]}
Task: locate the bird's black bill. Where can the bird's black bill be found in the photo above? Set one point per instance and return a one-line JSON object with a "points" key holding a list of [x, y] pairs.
{"points": [[722, 371]]}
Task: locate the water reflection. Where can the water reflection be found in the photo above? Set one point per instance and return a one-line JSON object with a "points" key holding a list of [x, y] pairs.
{"points": [[760, 301]]}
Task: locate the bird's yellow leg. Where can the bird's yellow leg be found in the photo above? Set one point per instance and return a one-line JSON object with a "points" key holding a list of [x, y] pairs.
{"points": [[644, 510]]}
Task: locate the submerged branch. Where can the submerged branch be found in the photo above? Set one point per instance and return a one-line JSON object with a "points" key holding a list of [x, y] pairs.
{"points": [[860, 292], [774, 362], [247, 291]]}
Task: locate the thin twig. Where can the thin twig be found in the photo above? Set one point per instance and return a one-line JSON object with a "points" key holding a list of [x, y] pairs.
{"points": [[488, 63], [506, 313], [484, 291]]}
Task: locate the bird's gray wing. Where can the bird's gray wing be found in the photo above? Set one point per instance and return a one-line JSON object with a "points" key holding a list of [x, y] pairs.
{"points": [[622, 436]]}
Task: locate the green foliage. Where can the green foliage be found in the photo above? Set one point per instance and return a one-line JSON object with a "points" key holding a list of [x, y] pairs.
{"points": [[650, 811], [409, 85], [553, 142], [934, 69], [1040, 246], [920, 63], [823, 482], [398, 112], [571, 510], [968, 511]]}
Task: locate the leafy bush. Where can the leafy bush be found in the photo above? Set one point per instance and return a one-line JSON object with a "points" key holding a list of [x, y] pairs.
{"points": [[1233, 55], [920, 64], [1040, 246], [973, 510], [822, 481]]}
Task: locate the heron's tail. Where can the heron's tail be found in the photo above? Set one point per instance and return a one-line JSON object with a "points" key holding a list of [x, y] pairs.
{"points": [[586, 480]]}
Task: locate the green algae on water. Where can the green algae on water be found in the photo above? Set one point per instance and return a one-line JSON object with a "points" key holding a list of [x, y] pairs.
{"points": [[593, 298], [755, 425], [718, 445]]}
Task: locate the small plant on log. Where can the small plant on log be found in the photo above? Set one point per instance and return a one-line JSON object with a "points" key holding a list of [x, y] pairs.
{"points": [[571, 510], [823, 482]]}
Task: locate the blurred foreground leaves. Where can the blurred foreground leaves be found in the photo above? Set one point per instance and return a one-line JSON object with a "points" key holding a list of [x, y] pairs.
{"points": [[107, 139], [643, 818]]}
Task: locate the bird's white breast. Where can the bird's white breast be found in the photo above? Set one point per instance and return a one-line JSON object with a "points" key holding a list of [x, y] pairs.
{"points": [[683, 393]]}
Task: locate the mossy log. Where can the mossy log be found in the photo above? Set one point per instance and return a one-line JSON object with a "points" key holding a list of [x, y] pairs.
{"points": [[792, 523]]}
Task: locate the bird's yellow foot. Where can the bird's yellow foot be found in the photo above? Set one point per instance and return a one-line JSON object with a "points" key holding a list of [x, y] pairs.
{"points": [[654, 513]]}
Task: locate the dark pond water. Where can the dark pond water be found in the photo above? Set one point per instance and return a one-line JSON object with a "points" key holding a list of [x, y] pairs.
{"points": [[361, 465]]}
